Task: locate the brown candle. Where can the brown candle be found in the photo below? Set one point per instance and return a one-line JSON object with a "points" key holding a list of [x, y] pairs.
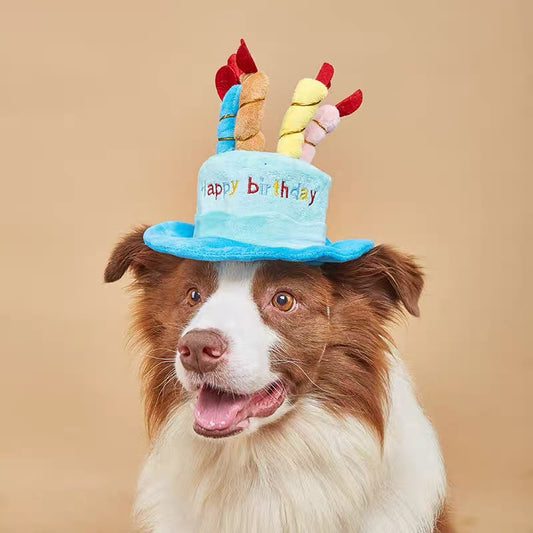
{"points": [[248, 134]]}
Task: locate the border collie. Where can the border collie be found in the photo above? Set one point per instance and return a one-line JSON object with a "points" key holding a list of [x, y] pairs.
{"points": [[274, 398]]}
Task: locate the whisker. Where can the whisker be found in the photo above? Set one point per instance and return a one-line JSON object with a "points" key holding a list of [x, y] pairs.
{"points": [[167, 380], [296, 364], [160, 358], [156, 368]]}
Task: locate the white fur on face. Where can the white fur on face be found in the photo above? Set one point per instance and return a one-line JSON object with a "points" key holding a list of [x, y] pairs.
{"points": [[232, 310]]}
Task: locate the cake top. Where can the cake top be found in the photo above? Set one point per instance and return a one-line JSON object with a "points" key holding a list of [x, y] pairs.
{"points": [[243, 89], [257, 205]]}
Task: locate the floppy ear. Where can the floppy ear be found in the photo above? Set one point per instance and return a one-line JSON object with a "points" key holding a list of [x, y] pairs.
{"points": [[385, 276], [131, 253]]}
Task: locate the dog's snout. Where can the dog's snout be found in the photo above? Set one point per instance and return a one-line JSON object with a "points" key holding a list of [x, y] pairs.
{"points": [[201, 350]]}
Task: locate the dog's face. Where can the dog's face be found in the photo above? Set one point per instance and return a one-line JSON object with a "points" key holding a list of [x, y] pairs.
{"points": [[245, 341]]}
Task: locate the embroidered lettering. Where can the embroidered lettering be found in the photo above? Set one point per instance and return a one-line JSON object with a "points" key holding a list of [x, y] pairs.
{"points": [[252, 187]]}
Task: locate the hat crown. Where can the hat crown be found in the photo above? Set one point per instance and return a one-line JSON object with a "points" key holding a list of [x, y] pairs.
{"points": [[262, 198]]}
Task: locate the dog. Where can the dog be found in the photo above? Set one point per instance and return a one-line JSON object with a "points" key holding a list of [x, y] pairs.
{"points": [[275, 399]]}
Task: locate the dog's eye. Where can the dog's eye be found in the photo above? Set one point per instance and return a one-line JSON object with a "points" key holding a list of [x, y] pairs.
{"points": [[283, 301], [193, 297]]}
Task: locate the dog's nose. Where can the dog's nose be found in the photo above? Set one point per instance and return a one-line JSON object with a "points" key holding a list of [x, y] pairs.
{"points": [[201, 350]]}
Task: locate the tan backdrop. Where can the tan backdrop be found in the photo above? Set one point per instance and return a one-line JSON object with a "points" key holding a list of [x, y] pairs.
{"points": [[107, 109]]}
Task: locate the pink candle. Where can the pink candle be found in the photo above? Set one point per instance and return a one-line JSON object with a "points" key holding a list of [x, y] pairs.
{"points": [[325, 120]]}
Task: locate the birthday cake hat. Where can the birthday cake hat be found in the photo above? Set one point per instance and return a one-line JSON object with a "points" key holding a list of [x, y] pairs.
{"points": [[256, 205]]}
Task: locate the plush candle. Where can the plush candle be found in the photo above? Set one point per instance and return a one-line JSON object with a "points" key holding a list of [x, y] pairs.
{"points": [[248, 135], [325, 120], [226, 121], [307, 96]]}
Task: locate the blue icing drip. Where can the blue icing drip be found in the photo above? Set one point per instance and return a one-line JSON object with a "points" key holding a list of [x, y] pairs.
{"points": [[263, 229], [226, 125]]}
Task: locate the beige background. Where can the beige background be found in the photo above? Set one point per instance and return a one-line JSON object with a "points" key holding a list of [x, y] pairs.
{"points": [[107, 108]]}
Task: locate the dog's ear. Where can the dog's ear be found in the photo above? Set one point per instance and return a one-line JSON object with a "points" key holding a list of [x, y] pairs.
{"points": [[383, 275], [131, 253]]}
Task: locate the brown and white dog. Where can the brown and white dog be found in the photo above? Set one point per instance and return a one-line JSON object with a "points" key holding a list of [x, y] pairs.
{"points": [[274, 398]]}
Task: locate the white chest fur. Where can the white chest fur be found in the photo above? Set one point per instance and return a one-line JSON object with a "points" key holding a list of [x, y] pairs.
{"points": [[322, 474]]}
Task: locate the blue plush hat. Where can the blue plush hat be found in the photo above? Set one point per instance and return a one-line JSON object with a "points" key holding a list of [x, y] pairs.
{"points": [[256, 205]]}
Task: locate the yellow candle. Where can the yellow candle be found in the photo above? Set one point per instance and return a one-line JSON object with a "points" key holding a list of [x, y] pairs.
{"points": [[305, 100]]}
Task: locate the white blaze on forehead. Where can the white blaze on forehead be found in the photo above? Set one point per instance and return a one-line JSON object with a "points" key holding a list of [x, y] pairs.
{"points": [[232, 310]]}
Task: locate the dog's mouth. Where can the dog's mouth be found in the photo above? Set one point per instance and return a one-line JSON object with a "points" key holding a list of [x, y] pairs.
{"points": [[220, 413]]}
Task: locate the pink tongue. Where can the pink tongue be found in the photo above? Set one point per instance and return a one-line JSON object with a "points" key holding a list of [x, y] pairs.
{"points": [[219, 410]]}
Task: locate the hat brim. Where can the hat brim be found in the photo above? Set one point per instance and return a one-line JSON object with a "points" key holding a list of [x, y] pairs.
{"points": [[176, 238]]}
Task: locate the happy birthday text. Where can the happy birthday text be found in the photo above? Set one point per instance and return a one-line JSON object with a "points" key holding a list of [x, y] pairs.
{"points": [[277, 188]]}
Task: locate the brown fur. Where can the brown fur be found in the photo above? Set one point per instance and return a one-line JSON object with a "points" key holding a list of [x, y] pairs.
{"points": [[161, 282], [366, 293], [340, 360], [384, 277]]}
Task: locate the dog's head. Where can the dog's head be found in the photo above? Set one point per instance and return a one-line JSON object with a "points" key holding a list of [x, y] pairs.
{"points": [[246, 341]]}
